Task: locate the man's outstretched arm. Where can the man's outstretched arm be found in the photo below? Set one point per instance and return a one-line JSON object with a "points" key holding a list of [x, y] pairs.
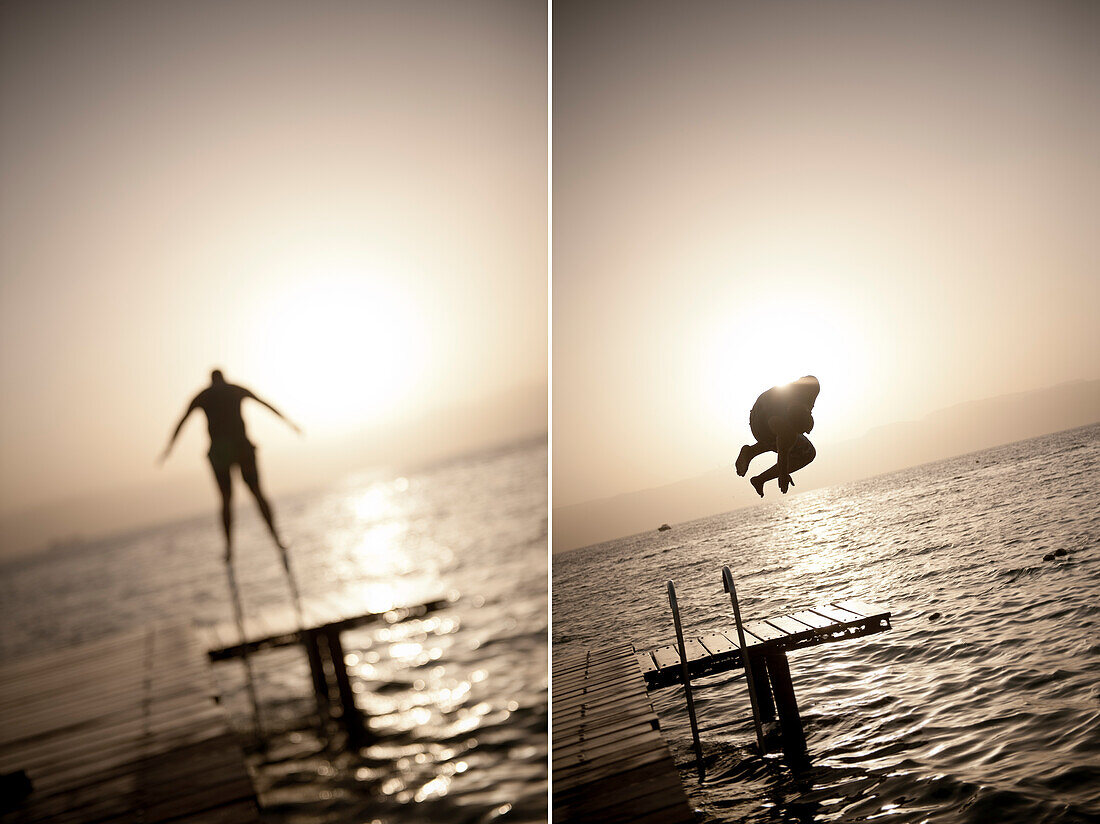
{"points": [[289, 422], [171, 441]]}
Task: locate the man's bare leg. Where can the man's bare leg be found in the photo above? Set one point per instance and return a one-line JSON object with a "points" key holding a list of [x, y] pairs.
{"points": [[802, 454], [225, 488], [748, 452], [251, 477]]}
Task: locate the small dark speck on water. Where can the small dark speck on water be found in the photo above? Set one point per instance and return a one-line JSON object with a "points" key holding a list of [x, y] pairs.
{"points": [[1049, 556], [1060, 553], [935, 616]]}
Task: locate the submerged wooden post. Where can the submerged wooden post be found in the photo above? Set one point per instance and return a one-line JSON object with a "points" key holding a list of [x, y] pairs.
{"points": [[312, 640], [687, 680], [350, 717], [764, 703], [790, 723], [727, 578]]}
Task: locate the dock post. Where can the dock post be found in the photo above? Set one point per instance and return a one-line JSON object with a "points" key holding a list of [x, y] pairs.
{"points": [[764, 702], [790, 723], [311, 639], [687, 680], [350, 717], [727, 578]]}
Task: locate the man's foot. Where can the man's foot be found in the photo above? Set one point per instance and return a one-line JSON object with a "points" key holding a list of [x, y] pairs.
{"points": [[743, 460], [758, 485]]}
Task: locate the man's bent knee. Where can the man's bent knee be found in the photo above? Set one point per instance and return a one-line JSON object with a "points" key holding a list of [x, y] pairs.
{"points": [[802, 453]]}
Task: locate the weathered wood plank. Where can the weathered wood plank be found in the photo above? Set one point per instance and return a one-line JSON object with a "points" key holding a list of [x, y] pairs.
{"points": [[605, 731], [122, 730], [667, 656], [835, 613], [813, 619], [862, 608], [718, 644], [764, 631]]}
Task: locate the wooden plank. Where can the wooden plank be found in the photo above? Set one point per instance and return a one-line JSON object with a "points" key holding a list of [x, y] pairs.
{"points": [[605, 731], [813, 619], [835, 613], [95, 720], [718, 644], [764, 631], [667, 656], [862, 608], [645, 662], [789, 625], [695, 650]]}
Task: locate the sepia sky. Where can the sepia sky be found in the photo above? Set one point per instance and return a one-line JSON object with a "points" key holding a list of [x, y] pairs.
{"points": [[343, 205], [900, 198]]}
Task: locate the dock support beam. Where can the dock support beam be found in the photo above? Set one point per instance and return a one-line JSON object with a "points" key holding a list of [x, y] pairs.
{"points": [[790, 723], [350, 716], [764, 703], [326, 655]]}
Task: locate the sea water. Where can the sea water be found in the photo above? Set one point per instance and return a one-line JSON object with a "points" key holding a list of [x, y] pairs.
{"points": [[457, 705], [981, 704]]}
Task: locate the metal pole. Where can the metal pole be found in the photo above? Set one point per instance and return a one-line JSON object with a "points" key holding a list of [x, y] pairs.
{"points": [[250, 682], [727, 578], [687, 679]]}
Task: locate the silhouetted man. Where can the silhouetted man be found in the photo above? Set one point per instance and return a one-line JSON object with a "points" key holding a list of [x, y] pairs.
{"points": [[778, 421], [229, 446]]}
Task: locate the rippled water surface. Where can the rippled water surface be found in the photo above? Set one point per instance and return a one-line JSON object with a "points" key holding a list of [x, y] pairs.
{"points": [[457, 703], [981, 704]]}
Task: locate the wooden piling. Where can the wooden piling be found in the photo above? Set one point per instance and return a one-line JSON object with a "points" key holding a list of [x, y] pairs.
{"points": [[790, 722], [350, 716]]}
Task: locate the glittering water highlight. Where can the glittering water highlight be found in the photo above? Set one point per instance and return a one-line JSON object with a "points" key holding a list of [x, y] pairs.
{"points": [[456, 702]]}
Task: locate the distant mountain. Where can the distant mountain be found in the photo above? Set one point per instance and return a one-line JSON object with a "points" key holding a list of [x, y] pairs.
{"points": [[956, 430]]}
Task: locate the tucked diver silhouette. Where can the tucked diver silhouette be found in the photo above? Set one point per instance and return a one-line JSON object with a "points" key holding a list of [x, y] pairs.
{"points": [[778, 421]]}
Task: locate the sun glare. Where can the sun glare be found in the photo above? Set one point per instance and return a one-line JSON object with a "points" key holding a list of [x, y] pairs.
{"points": [[767, 344], [338, 349]]}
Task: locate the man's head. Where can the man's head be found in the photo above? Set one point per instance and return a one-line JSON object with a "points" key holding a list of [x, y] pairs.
{"points": [[217, 378], [807, 389]]}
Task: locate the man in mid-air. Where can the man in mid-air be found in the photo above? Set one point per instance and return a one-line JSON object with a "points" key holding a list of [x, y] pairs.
{"points": [[229, 446], [779, 420]]}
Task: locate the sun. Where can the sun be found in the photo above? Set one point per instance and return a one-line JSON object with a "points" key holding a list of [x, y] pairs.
{"points": [[770, 343], [338, 350]]}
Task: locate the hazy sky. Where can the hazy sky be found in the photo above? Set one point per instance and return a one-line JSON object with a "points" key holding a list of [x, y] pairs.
{"points": [[342, 204], [901, 198]]}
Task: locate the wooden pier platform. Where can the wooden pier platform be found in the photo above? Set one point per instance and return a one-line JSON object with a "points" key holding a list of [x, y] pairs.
{"points": [[325, 620], [124, 729], [719, 651], [610, 763], [271, 628]]}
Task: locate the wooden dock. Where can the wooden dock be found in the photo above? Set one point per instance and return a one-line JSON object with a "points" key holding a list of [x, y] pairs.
{"points": [[266, 629], [325, 620], [610, 763], [124, 729], [719, 651]]}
